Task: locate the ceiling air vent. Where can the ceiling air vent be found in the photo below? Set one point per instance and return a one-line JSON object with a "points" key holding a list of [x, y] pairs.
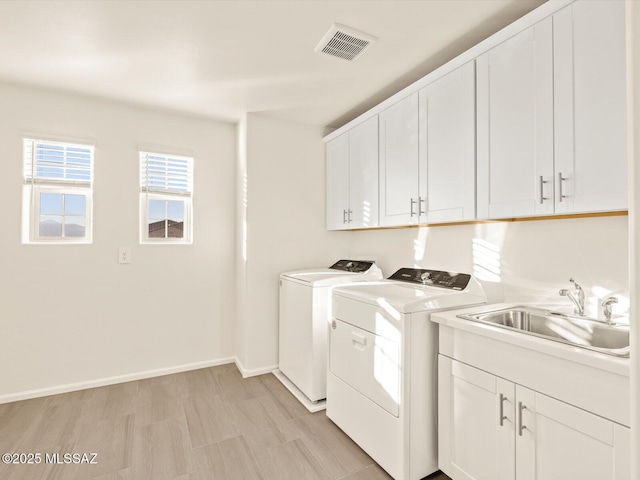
{"points": [[344, 42]]}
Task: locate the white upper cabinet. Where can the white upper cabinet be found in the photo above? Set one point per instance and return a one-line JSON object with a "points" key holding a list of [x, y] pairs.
{"points": [[552, 116], [363, 174], [352, 178], [451, 147], [515, 125], [534, 126], [401, 201], [590, 107], [337, 155]]}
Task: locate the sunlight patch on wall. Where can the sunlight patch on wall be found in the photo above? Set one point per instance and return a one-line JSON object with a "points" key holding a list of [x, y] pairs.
{"points": [[244, 187], [420, 245], [486, 260]]}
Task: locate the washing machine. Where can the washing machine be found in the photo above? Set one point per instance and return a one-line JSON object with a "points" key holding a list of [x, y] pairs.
{"points": [[382, 377], [305, 314]]}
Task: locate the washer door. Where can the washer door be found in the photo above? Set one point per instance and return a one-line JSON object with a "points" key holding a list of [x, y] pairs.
{"points": [[368, 363]]}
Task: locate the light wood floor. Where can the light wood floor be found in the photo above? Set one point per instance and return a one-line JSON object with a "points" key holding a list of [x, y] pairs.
{"points": [[199, 425]]}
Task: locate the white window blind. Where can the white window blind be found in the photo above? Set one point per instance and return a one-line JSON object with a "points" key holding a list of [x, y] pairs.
{"points": [[166, 174], [57, 163]]}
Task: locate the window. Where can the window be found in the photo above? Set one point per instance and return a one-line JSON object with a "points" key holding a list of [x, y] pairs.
{"points": [[58, 188], [166, 195]]}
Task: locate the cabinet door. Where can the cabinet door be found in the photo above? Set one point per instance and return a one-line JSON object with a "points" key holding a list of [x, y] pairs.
{"points": [[451, 147], [559, 441], [515, 125], [475, 423], [337, 155], [590, 107], [363, 174], [399, 148]]}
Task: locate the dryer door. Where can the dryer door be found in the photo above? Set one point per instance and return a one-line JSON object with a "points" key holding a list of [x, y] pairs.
{"points": [[368, 363]]}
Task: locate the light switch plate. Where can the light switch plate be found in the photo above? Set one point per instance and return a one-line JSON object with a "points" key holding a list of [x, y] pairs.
{"points": [[124, 255]]}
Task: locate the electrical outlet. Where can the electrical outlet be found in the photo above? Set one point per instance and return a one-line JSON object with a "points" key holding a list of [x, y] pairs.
{"points": [[124, 255]]}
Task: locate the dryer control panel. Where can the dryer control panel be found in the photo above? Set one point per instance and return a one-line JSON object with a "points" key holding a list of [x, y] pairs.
{"points": [[432, 278], [355, 266]]}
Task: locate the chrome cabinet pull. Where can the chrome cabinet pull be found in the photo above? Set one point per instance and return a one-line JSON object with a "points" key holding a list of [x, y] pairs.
{"points": [[560, 180], [420, 202], [349, 215], [521, 427], [542, 197], [413, 202], [344, 216], [503, 417]]}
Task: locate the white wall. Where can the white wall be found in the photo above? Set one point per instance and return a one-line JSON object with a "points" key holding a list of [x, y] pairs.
{"points": [[285, 215], [281, 195], [516, 262], [72, 313]]}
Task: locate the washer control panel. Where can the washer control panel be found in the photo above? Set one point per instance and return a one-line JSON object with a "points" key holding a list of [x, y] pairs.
{"points": [[355, 266], [432, 278]]}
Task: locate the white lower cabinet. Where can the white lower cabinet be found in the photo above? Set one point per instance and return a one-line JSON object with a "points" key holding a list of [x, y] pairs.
{"points": [[473, 443], [494, 429]]}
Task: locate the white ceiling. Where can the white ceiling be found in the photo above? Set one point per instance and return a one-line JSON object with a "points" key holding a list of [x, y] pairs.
{"points": [[223, 58]]}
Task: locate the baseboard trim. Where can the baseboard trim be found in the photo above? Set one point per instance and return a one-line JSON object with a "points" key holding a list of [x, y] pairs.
{"points": [[100, 382], [254, 372]]}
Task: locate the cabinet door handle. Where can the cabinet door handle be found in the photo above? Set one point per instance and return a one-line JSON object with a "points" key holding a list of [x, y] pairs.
{"points": [[560, 180], [349, 215], [420, 202], [413, 202], [542, 197], [521, 427], [344, 216], [503, 417]]}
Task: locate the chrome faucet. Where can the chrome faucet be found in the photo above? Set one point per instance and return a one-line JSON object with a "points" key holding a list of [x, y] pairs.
{"points": [[577, 299], [606, 308]]}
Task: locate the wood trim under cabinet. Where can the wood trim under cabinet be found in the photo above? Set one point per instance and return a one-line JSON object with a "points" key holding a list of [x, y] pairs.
{"points": [[621, 213]]}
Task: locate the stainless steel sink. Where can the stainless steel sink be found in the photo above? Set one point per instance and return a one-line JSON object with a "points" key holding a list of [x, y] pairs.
{"points": [[573, 330]]}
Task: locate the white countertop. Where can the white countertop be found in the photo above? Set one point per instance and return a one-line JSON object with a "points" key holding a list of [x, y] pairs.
{"points": [[618, 365]]}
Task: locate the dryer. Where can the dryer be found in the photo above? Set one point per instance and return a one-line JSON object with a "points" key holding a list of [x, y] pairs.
{"points": [[305, 313], [382, 377]]}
